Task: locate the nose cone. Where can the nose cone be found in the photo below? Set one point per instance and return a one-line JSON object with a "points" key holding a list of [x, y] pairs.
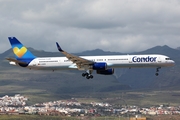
{"points": [[172, 63]]}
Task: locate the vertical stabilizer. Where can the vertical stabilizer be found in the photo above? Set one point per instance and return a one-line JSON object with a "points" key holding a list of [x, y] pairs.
{"points": [[20, 51]]}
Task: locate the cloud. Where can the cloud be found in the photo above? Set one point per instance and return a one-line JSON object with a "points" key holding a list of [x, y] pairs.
{"points": [[121, 26]]}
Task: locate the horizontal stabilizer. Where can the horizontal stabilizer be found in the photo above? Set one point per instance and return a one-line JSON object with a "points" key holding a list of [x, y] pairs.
{"points": [[16, 61]]}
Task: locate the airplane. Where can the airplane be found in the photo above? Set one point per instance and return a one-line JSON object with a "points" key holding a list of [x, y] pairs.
{"points": [[103, 65]]}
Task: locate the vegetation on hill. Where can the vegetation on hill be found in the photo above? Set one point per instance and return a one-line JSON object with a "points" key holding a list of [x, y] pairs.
{"points": [[48, 85]]}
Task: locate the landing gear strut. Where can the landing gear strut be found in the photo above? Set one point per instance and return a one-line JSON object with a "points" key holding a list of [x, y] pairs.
{"points": [[87, 75], [157, 71]]}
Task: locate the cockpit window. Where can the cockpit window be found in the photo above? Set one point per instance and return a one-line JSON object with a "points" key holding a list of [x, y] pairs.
{"points": [[168, 59]]}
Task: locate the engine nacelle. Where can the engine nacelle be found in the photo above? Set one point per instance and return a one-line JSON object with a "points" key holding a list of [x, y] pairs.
{"points": [[106, 72], [99, 66]]}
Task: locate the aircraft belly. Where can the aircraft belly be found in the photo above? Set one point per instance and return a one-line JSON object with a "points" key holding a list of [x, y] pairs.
{"points": [[49, 67]]}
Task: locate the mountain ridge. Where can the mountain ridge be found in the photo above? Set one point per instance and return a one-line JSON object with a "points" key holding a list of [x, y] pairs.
{"points": [[136, 78]]}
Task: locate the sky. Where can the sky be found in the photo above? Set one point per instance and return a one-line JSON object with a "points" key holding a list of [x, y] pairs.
{"points": [[80, 25]]}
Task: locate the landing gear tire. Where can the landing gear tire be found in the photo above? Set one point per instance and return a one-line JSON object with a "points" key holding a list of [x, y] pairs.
{"points": [[157, 74], [84, 74], [89, 77]]}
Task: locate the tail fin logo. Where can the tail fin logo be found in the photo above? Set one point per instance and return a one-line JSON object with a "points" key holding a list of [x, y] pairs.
{"points": [[19, 52]]}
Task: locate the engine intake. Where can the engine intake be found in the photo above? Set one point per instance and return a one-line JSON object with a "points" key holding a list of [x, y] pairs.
{"points": [[105, 72]]}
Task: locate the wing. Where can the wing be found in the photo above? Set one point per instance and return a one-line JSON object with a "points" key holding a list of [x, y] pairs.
{"points": [[80, 62]]}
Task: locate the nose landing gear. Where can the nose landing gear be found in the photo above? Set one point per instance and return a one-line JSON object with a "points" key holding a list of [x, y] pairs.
{"points": [[157, 71]]}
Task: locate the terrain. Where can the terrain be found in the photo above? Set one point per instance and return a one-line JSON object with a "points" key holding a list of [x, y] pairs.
{"points": [[137, 86], [37, 117]]}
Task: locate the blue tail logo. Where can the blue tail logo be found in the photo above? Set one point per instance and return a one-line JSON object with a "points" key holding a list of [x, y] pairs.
{"points": [[20, 51]]}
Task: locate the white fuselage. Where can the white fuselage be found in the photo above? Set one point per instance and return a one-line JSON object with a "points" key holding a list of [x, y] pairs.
{"points": [[113, 61]]}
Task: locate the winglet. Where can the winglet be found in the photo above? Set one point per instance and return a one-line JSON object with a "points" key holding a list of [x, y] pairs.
{"points": [[59, 48]]}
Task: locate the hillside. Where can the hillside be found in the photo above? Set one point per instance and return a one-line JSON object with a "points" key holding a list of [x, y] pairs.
{"points": [[14, 79], [145, 77]]}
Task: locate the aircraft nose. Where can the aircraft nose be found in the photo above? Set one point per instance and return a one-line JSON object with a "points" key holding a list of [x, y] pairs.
{"points": [[172, 62]]}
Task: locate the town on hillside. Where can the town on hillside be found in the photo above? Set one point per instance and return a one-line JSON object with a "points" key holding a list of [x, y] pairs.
{"points": [[15, 105]]}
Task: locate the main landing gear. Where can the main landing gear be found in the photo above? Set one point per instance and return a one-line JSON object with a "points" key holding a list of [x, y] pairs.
{"points": [[157, 71], [87, 75]]}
